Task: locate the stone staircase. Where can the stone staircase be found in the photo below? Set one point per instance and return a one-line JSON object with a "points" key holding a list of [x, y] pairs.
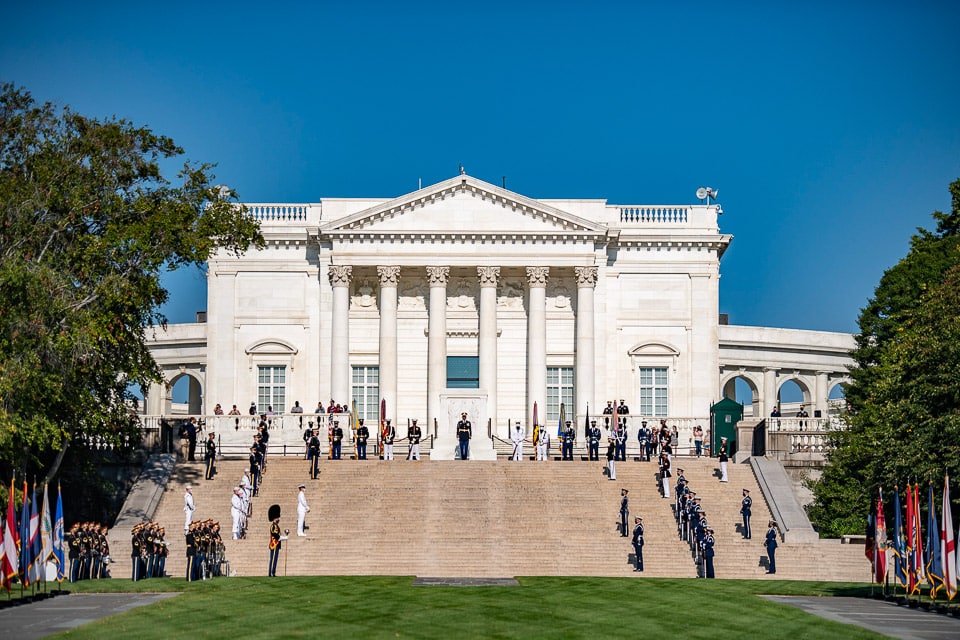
{"points": [[482, 519]]}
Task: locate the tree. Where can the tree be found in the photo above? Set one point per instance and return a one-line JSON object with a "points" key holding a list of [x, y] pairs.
{"points": [[88, 223], [905, 396]]}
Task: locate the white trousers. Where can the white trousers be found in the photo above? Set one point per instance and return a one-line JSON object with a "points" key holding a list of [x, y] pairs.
{"points": [[612, 466], [666, 487], [237, 517], [388, 452], [301, 518], [723, 472], [187, 519], [415, 452], [517, 452], [542, 451]]}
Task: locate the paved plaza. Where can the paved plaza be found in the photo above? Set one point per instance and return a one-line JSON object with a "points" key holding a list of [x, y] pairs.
{"points": [[44, 618]]}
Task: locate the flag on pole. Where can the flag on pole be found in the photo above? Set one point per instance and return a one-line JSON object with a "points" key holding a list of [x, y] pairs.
{"points": [[46, 530], [918, 538], [948, 551], [586, 425], [932, 557], [869, 546], [880, 546], [36, 564], [536, 418], [383, 424], [355, 422], [25, 539], [899, 552], [11, 543], [58, 539]]}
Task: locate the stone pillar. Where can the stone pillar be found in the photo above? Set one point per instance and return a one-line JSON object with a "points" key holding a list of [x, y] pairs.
{"points": [[537, 342], [584, 375], [769, 392], [487, 342], [820, 399], [340, 276], [389, 278], [437, 345]]}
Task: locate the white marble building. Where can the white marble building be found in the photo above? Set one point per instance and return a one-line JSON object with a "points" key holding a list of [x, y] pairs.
{"points": [[464, 296]]}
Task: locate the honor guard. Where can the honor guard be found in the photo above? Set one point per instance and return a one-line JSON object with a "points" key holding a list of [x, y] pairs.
{"points": [[624, 512], [313, 453], [413, 437], [622, 412], [722, 457], [254, 460], [607, 412], [275, 542], [236, 512], [611, 457], [745, 506], [188, 508], [593, 438], [643, 436], [363, 434], [620, 441], [302, 509], [517, 438], [336, 441], [190, 540], [389, 435], [210, 455], [771, 545], [543, 442], [464, 433], [708, 552], [569, 436], [638, 542]]}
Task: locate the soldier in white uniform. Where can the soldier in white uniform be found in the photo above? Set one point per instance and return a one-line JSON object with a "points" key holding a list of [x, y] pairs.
{"points": [[389, 435], [517, 438], [188, 509], [302, 509], [543, 443], [413, 436], [236, 512]]}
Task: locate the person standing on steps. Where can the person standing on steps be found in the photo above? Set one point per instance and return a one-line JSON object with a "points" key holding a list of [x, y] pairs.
{"points": [[363, 434], [236, 512], [413, 437], [464, 433], [745, 505], [624, 512], [389, 435], [517, 438], [275, 541], [302, 509], [611, 457], [210, 455], [708, 552], [638, 542], [567, 440], [543, 442], [593, 438], [188, 508], [771, 544], [722, 456]]}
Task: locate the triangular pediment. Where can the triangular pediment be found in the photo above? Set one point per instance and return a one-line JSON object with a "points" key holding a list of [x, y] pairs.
{"points": [[462, 204]]}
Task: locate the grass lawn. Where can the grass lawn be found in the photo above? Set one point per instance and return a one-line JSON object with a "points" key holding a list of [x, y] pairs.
{"points": [[542, 607]]}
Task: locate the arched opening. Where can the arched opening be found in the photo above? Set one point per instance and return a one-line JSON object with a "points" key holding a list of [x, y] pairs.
{"points": [[743, 390], [186, 395], [791, 395], [837, 398]]}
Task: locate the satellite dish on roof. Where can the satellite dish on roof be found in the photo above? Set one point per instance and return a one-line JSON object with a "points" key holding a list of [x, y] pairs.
{"points": [[702, 193]]}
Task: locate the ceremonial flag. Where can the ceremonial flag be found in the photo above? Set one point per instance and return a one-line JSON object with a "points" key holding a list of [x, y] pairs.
{"points": [[25, 548], [932, 556], [869, 546], [560, 421], [586, 425], [918, 538], [36, 564], [880, 546], [11, 543], [58, 539], [913, 576], [46, 530], [383, 424], [899, 552], [355, 422], [948, 552]]}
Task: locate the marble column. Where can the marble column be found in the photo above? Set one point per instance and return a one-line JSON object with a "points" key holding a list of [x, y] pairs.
{"points": [[487, 342], [537, 342], [821, 398], [340, 276], [389, 278], [769, 392], [584, 374], [436, 344]]}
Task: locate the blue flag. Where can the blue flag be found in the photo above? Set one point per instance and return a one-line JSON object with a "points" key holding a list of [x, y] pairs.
{"points": [[58, 539], [25, 547], [36, 563], [932, 552], [899, 555]]}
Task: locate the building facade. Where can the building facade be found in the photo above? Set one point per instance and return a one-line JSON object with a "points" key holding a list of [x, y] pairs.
{"points": [[466, 297]]}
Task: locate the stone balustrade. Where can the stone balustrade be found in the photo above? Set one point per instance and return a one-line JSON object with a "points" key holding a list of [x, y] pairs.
{"points": [[284, 213], [654, 215]]}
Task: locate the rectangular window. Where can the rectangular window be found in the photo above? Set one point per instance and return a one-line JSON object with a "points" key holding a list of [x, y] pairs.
{"points": [[653, 391], [365, 383], [559, 390], [271, 389], [463, 372]]}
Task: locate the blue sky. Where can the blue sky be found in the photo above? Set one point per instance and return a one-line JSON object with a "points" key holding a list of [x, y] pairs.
{"points": [[831, 129]]}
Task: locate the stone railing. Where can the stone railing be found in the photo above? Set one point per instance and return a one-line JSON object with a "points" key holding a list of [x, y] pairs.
{"points": [[654, 215], [280, 213], [801, 435]]}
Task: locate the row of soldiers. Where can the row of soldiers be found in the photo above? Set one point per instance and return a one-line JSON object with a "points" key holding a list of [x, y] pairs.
{"points": [[148, 551], [205, 551], [240, 505], [88, 551], [361, 436], [692, 525]]}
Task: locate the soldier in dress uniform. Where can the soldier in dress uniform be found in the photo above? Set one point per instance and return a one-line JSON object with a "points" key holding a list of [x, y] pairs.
{"points": [[517, 438], [313, 451], [620, 441], [622, 412], [542, 442], [336, 441], [255, 469], [363, 434], [569, 436], [464, 433], [607, 412], [190, 539], [302, 509], [643, 436], [593, 438], [665, 474], [389, 435], [210, 455], [722, 457], [188, 508], [275, 542], [708, 552], [638, 542], [611, 457], [135, 550], [771, 545], [624, 512], [236, 512], [745, 505], [413, 437]]}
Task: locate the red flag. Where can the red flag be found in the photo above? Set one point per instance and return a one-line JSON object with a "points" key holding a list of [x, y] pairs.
{"points": [[948, 549], [11, 544], [880, 545], [918, 532], [912, 582]]}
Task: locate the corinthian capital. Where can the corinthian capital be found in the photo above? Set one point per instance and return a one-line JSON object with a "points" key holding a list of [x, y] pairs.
{"points": [[340, 275], [586, 276], [389, 276], [537, 276], [438, 276], [489, 276]]}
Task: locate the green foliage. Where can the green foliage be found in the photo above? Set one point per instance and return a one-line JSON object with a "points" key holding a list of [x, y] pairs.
{"points": [[905, 395], [88, 223]]}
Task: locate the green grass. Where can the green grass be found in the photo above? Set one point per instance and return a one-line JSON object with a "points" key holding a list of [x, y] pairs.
{"points": [[542, 607]]}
